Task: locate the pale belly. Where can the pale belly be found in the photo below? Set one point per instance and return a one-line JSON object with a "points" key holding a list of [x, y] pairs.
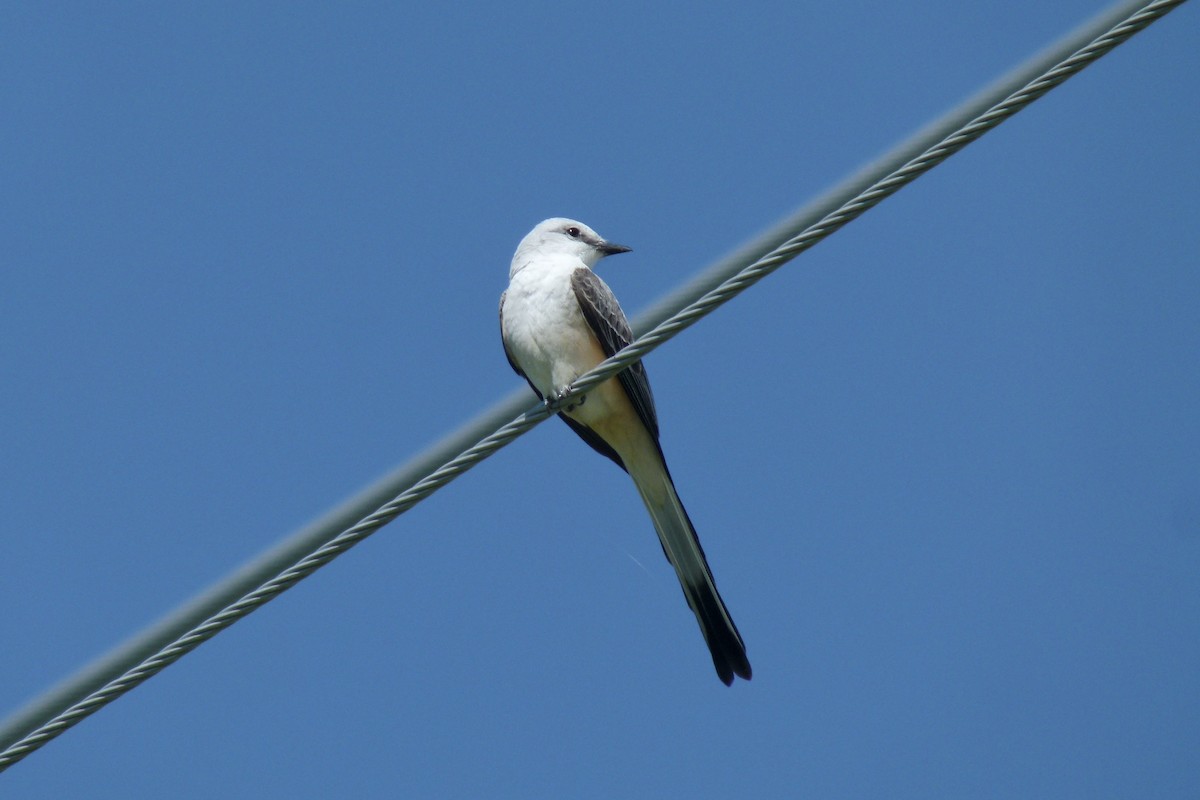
{"points": [[551, 342], [547, 335]]}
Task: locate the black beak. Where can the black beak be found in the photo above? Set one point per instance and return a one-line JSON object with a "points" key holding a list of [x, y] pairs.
{"points": [[612, 249]]}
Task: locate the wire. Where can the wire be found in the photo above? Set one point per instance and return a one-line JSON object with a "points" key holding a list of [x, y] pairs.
{"points": [[47, 718]]}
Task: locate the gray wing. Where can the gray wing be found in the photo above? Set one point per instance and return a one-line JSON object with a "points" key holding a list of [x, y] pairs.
{"points": [[606, 319]]}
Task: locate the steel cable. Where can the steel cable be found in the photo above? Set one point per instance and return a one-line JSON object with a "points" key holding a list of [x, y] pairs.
{"points": [[684, 318]]}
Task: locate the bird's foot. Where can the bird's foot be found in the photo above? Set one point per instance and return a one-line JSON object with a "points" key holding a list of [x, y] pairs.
{"points": [[555, 401]]}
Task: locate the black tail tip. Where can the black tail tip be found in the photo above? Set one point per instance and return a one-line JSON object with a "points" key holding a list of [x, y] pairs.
{"points": [[727, 668]]}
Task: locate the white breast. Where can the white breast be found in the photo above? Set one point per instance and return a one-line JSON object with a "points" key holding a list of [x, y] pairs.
{"points": [[543, 327]]}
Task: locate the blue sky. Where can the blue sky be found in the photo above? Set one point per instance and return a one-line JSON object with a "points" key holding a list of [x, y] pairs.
{"points": [[946, 465]]}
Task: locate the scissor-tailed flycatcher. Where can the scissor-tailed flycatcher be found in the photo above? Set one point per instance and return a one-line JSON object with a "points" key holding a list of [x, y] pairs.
{"points": [[558, 320]]}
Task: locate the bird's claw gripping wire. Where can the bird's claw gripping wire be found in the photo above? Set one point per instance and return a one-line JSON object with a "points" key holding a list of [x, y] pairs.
{"points": [[557, 401]]}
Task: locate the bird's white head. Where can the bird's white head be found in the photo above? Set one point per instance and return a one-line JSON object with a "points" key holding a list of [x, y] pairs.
{"points": [[567, 237]]}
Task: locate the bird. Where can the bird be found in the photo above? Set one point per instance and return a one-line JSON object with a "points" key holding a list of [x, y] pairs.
{"points": [[558, 319]]}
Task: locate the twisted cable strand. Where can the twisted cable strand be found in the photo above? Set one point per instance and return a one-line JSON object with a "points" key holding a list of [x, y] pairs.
{"points": [[683, 319], [866, 200]]}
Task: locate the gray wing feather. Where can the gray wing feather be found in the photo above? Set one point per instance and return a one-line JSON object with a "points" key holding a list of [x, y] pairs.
{"points": [[608, 322]]}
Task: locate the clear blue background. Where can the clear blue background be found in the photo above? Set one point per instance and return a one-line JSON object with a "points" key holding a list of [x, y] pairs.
{"points": [[946, 465]]}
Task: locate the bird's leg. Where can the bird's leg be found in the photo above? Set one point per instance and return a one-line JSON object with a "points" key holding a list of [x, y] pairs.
{"points": [[555, 401]]}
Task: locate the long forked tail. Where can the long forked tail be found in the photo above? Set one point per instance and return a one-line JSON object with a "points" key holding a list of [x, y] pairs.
{"points": [[682, 548]]}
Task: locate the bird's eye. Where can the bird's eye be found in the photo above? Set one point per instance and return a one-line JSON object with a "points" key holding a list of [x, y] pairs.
{"points": [[573, 232]]}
